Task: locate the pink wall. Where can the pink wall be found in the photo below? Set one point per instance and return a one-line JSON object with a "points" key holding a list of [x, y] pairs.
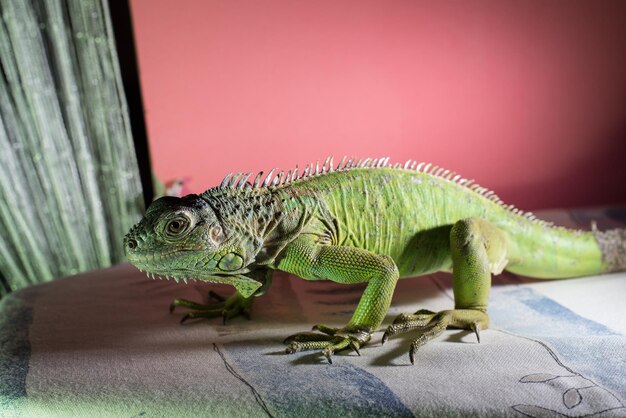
{"points": [[527, 97]]}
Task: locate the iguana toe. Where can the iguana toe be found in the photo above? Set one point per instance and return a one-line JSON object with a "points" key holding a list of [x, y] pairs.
{"points": [[408, 322], [305, 337], [196, 306], [201, 314], [324, 329], [330, 341], [227, 308], [434, 324]]}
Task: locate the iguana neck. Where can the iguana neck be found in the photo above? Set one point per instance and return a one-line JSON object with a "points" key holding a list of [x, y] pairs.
{"points": [[262, 221]]}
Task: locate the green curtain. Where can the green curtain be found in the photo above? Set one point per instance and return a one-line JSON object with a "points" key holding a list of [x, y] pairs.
{"points": [[69, 181]]}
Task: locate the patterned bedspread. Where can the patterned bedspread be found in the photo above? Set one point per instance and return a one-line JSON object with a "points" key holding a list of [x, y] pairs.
{"points": [[104, 344]]}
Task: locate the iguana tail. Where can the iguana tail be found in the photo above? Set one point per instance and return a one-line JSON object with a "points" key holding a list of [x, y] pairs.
{"points": [[549, 252], [612, 244]]}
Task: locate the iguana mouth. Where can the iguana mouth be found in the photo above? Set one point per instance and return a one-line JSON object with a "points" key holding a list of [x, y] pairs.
{"points": [[158, 257]]}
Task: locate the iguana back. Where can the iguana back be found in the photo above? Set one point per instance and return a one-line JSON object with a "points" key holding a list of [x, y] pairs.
{"points": [[408, 213]]}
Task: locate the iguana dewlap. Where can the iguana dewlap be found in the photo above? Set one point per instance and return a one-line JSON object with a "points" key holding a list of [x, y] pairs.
{"points": [[362, 221]]}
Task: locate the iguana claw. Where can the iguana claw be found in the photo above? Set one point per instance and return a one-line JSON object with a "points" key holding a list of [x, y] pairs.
{"points": [[412, 351], [355, 348], [476, 328]]}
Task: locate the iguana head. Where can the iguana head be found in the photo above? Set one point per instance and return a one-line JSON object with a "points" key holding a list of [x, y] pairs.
{"points": [[183, 238]]}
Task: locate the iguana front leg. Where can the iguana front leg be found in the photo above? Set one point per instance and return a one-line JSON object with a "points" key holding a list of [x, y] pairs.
{"points": [[311, 260], [230, 307], [227, 308], [478, 249]]}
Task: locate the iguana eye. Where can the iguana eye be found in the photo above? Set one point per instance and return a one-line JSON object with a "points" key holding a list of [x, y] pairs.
{"points": [[176, 226]]}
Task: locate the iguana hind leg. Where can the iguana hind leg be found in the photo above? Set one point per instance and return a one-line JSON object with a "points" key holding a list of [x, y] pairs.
{"points": [[478, 249], [311, 260]]}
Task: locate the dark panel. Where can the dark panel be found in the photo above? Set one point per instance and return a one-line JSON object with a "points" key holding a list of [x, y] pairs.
{"points": [[125, 43]]}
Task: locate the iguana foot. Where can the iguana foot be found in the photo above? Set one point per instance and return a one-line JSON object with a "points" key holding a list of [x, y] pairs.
{"points": [[227, 308], [330, 340], [434, 324]]}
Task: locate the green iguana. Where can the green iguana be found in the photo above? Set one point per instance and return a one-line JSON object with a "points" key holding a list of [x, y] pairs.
{"points": [[362, 221]]}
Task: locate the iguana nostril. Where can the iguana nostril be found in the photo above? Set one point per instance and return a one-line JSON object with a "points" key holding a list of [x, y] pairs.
{"points": [[132, 244]]}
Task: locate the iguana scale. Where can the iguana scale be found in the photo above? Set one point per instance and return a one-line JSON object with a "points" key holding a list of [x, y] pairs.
{"points": [[364, 221]]}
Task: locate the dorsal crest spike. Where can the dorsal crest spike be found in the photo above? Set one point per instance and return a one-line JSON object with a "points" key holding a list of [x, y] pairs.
{"points": [[341, 163], [268, 178], [257, 180], [233, 180], [313, 169], [327, 164], [225, 180], [243, 180]]}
